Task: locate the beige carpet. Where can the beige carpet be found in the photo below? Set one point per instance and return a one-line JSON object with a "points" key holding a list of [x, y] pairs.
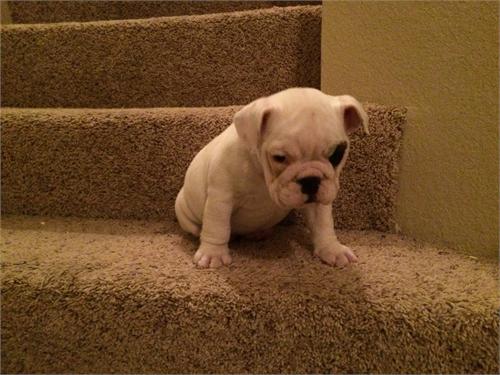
{"points": [[78, 10], [130, 163], [190, 61], [97, 296]]}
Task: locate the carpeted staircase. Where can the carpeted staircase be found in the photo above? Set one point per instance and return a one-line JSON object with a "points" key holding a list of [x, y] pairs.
{"points": [[99, 123]]}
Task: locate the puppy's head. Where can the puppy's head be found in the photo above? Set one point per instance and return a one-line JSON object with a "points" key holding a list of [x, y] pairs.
{"points": [[300, 137]]}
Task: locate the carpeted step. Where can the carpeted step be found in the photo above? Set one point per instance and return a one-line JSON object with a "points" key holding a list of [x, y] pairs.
{"points": [[76, 10], [205, 60], [96, 296], [130, 163]]}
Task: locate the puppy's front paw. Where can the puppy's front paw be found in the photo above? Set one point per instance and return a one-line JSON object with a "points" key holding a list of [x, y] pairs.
{"points": [[336, 255], [212, 256]]}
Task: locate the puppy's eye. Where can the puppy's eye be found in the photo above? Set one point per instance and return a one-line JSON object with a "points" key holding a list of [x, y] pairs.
{"points": [[279, 158], [338, 154]]}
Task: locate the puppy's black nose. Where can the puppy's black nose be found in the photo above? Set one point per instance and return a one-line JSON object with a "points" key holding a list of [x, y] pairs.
{"points": [[309, 185]]}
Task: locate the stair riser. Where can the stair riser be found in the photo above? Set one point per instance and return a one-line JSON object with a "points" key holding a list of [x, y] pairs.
{"points": [[75, 10], [200, 61], [131, 163], [163, 337]]}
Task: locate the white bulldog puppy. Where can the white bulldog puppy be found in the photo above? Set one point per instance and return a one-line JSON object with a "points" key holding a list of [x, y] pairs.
{"points": [[281, 152]]}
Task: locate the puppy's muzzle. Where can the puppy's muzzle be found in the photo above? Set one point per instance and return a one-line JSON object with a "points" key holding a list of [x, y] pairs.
{"points": [[309, 186]]}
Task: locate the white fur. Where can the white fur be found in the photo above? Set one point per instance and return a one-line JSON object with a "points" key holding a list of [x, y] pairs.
{"points": [[233, 185]]}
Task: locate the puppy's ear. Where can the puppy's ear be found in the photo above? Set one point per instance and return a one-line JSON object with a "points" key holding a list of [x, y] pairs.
{"points": [[251, 121], [353, 113]]}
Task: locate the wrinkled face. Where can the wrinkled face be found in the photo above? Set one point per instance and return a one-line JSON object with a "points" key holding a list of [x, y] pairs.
{"points": [[300, 136], [302, 154]]}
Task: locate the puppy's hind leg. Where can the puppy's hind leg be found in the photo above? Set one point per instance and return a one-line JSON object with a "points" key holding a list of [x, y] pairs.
{"points": [[184, 216]]}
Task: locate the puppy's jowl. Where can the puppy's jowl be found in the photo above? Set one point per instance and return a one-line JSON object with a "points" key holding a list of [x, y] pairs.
{"points": [[281, 152]]}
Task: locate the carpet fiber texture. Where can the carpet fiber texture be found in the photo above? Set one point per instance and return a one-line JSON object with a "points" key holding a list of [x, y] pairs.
{"points": [[77, 10], [94, 296], [131, 163], [190, 61]]}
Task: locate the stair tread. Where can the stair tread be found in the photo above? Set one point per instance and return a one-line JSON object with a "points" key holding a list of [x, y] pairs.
{"points": [[421, 298], [200, 60], [162, 254]]}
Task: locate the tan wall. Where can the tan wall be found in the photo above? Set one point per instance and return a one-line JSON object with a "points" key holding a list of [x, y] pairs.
{"points": [[4, 13], [440, 59]]}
